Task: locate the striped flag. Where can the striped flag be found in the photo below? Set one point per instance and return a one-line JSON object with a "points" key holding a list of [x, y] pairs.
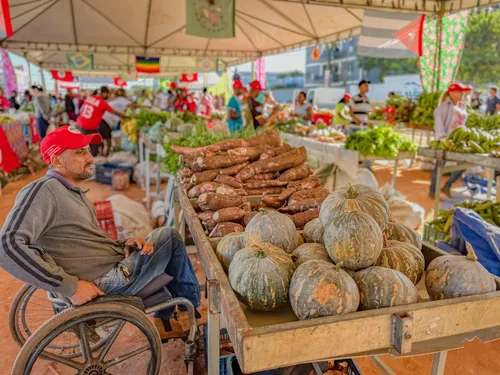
{"points": [[147, 64], [391, 35]]}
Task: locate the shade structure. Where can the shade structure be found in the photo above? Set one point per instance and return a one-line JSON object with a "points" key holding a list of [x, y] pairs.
{"points": [[115, 31]]}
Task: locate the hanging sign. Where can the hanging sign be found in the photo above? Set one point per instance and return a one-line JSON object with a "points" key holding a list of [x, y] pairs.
{"points": [[210, 18]]}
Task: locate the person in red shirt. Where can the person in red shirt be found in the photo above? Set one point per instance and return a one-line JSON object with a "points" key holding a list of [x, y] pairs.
{"points": [[181, 104], [4, 102], [191, 104], [90, 119]]}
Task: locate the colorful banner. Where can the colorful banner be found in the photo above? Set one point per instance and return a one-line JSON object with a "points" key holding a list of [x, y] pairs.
{"points": [[147, 64], [260, 72], [442, 44], [62, 75], [210, 19], [8, 78], [206, 65], [165, 83], [80, 61], [5, 21]]}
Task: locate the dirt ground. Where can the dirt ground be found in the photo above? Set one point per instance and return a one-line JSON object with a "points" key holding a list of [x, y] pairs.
{"points": [[474, 358]]}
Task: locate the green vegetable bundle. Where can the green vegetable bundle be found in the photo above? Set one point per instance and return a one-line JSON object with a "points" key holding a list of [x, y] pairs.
{"points": [[147, 118], [423, 113], [197, 137], [382, 141], [469, 141], [488, 210]]}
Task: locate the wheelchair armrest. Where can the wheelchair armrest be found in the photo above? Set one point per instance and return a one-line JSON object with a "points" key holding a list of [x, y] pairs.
{"points": [[129, 300]]}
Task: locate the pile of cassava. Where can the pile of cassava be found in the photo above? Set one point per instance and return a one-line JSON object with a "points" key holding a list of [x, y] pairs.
{"points": [[354, 258], [223, 176]]}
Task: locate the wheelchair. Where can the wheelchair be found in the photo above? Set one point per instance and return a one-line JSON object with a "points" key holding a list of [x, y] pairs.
{"points": [[79, 340]]}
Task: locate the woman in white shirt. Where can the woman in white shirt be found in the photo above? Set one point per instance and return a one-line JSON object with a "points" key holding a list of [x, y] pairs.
{"points": [[303, 109]]}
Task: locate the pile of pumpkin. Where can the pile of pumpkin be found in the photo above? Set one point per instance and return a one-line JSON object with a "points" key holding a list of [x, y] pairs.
{"points": [[354, 258], [220, 177]]}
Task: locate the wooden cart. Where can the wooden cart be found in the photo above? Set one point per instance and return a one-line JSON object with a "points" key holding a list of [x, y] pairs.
{"points": [[277, 339], [464, 161]]}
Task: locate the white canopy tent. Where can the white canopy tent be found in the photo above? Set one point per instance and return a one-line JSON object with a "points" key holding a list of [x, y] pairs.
{"points": [[115, 31]]}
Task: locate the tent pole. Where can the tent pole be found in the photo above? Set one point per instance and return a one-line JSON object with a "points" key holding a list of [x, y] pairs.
{"points": [[205, 79], [252, 76], [29, 69], [43, 78]]}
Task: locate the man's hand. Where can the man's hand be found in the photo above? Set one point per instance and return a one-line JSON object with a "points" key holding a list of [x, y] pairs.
{"points": [[357, 120], [143, 245], [85, 292]]}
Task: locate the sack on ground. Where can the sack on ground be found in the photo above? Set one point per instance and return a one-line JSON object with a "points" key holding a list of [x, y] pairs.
{"points": [[131, 218]]}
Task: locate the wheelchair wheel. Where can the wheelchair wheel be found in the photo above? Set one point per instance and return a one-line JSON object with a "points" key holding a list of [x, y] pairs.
{"points": [[133, 330], [31, 308]]}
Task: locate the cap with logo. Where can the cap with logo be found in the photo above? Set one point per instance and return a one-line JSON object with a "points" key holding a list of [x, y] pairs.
{"points": [[66, 138]]}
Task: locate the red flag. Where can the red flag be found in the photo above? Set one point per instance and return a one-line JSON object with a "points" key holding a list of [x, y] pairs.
{"points": [[61, 75], [189, 77], [5, 21], [8, 158], [120, 82], [411, 35]]}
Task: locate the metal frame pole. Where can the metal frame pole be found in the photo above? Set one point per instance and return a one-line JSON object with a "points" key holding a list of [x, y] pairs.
{"points": [[213, 350]]}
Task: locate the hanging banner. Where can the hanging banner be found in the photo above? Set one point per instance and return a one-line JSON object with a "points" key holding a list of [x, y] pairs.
{"points": [[61, 75], [80, 61], [5, 21], [442, 44], [147, 64], [210, 18], [189, 77], [260, 72], [166, 83], [388, 34], [120, 82], [8, 79], [206, 64]]}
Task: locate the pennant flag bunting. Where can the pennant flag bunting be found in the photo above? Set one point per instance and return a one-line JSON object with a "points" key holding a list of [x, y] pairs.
{"points": [[189, 77], [120, 82], [206, 65], [147, 64], [390, 34], [63, 76], [5, 21], [210, 19], [80, 61]]}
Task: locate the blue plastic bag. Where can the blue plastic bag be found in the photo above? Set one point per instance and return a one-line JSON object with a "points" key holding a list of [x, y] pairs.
{"points": [[468, 226]]}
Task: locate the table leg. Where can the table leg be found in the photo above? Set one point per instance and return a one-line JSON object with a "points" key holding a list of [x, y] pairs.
{"points": [[439, 363], [148, 181], [437, 191], [395, 173], [213, 327], [382, 366], [141, 157], [158, 172], [491, 177]]}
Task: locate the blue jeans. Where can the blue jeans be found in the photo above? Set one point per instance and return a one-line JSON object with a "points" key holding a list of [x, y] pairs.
{"points": [[454, 176], [169, 256], [42, 125]]}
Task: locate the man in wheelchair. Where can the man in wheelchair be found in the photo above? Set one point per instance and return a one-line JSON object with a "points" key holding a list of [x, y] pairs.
{"points": [[54, 213]]}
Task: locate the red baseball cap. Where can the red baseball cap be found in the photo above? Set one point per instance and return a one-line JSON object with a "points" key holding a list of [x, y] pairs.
{"points": [[255, 85], [454, 87], [66, 138], [237, 84], [347, 97]]}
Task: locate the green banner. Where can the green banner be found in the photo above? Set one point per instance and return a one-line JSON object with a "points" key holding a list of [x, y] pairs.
{"points": [[210, 18], [442, 44], [80, 61]]}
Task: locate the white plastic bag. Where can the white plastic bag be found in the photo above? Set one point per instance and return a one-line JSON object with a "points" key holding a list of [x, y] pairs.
{"points": [[364, 177], [131, 218], [124, 158], [403, 212]]}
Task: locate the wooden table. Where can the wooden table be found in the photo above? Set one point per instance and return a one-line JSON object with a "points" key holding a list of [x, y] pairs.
{"points": [[464, 161], [277, 339]]}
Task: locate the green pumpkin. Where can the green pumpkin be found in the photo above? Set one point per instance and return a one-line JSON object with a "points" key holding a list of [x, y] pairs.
{"points": [[399, 232], [310, 251], [274, 228], [313, 231], [321, 289], [353, 240], [228, 246], [403, 257], [382, 287], [452, 276], [260, 276], [359, 198]]}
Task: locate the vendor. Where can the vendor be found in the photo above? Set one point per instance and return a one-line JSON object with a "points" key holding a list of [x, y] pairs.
{"points": [[302, 108], [234, 119], [181, 103], [342, 115], [449, 115], [13, 100], [4, 102], [255, 113], [360, 107]]}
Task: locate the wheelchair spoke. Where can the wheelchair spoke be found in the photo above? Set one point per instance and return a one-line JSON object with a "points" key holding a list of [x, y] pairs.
{"points": [[111, 340], [124, 357], [84, 342], [67, 362]]}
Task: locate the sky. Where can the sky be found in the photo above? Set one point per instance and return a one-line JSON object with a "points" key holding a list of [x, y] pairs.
{"points": [[285, 62]]}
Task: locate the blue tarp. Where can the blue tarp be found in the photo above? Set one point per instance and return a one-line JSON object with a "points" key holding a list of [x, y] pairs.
{"points": [[468, 226]]}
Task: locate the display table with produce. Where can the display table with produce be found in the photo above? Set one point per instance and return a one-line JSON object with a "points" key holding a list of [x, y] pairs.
{"points": [[347, 160], [277, 339], [464, 161]]}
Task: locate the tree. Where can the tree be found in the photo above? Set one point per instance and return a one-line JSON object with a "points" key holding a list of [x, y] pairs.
{"points": [[388, 66], [481, 55]]}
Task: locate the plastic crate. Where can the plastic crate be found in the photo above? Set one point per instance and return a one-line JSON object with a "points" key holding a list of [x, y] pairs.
{"points": [[226, 363], [432, 235], [104, 172], [104, 214]]}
